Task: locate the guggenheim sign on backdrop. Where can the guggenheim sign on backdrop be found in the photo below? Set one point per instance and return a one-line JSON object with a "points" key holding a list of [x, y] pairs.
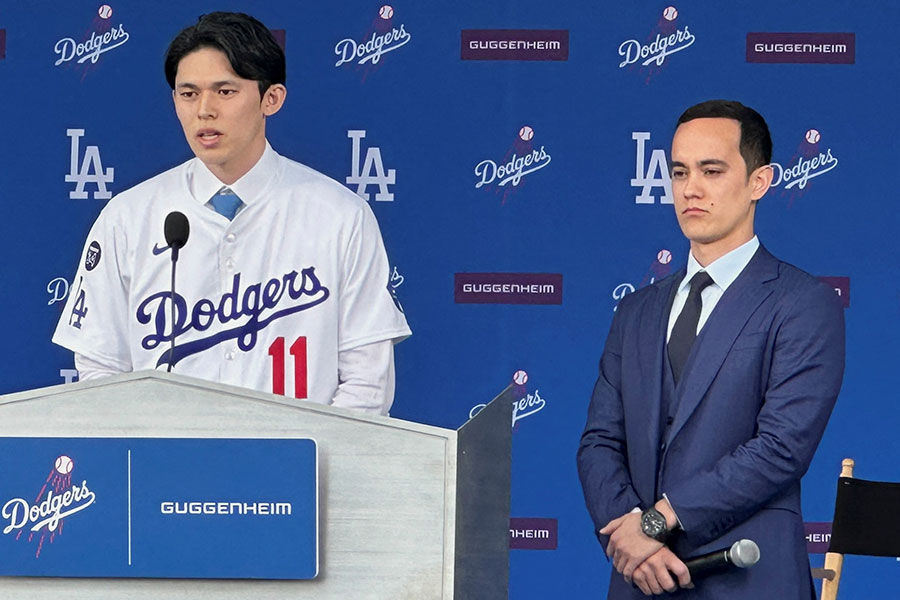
{"points": [[508, 288], [819, 48]]}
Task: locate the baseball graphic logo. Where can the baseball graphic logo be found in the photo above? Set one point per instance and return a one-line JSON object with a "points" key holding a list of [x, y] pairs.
{"points": [[664, 257], [386, 12], [64, 465], [92, 258], [670, 13], [520, 377], [812, 136], [526, 133], [105, 11]]}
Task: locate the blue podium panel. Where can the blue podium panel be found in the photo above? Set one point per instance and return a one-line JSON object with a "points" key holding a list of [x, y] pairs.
{"points": [[153, 507]]}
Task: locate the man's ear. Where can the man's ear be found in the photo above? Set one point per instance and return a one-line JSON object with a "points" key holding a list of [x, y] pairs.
{"points": [[273, 99], [761, 181]]}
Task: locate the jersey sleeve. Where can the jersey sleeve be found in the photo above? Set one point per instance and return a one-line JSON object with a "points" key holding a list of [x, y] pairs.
{"points": [[369, 311], [94, 320]]}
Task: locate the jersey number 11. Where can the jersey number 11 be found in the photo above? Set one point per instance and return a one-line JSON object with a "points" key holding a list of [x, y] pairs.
{"points": [[298, 351]]}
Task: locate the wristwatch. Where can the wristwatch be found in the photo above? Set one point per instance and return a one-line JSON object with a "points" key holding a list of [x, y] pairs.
{"points": [[653, 524]]}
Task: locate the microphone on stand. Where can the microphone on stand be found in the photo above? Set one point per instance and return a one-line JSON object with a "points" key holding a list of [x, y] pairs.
{"points": [[177, 229], [742, 554]]}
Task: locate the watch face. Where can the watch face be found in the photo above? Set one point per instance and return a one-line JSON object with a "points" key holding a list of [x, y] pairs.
{"points": [[652, 523]]}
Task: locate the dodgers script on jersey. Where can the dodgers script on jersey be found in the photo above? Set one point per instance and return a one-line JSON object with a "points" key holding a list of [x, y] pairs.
{"points": [[265, 301]]}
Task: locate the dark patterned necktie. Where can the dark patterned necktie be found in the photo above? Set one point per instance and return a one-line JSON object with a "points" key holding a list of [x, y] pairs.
{"points": [[685, 330]]}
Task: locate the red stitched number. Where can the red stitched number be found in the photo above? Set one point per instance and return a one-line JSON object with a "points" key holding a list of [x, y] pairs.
{"points": [[298, 351]]}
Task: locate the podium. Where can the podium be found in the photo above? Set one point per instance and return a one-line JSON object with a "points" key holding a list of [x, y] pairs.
{"points": [[406, 511]]}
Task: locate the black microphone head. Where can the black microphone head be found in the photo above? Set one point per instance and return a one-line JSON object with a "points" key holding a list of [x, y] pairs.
{"points": [[177, 230], [744, 553]]}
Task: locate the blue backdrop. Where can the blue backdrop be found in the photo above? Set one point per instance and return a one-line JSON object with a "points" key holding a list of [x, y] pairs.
{"points": [[590, 205]]}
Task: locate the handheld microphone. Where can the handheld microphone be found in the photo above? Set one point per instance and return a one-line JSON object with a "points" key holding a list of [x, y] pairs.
{"points": [[176, 229], [742, 554]]}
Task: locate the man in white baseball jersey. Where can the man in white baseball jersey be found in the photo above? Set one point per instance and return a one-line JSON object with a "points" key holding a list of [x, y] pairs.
{"points": [[282, 284]]}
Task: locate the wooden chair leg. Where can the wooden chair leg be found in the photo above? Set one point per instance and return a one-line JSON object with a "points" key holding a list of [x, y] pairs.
{"points": [[834, 562]]}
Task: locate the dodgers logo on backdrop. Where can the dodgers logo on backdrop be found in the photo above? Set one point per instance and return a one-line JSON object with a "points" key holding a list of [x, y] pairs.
{"points": [[371, 171], [652, 174], [659, 268], [813, 158], [384, 35], [104, 36], [664, 40], [529, 405], [87, 169], [58, 288], [57, 500], [520, 161]]}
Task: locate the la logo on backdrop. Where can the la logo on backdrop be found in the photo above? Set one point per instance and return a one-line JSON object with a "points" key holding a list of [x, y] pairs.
{"points": [[86, 50], [668, 37], [87, 168], [367, 52], [44, 519], [522, 159], [652, 174], [369, 171]]}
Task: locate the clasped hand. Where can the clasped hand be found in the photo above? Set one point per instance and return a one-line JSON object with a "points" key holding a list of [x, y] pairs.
{"points": [[643, 560]]}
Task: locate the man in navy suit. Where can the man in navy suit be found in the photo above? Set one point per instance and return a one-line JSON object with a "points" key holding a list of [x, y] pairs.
{"points": [[715, 387]]}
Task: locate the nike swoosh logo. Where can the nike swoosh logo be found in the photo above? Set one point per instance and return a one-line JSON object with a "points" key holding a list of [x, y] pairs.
{"points": [[157, 250]]}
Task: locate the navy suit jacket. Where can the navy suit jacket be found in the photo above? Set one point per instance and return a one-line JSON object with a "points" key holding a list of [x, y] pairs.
{"points": [[752, 404]]}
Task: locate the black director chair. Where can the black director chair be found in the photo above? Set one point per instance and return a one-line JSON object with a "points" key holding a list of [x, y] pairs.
{"points": [[866, 522]]}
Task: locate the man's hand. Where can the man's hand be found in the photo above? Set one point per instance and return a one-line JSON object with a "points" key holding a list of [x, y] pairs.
{"points": [[655, 575], [628, 545]]}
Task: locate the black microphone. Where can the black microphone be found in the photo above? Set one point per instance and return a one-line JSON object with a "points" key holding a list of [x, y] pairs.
{"points": [[177, 229], [742, 554]]}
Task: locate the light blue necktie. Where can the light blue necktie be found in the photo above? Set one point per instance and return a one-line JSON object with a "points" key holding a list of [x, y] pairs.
{"points": [[226, 203]]}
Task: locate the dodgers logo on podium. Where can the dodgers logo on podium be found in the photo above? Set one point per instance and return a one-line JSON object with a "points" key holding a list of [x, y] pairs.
{"points": [[173, 508], [57, 499]]}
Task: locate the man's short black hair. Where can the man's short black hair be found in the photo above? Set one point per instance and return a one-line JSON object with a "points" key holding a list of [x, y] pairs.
{"points": [[756, 143], [249, 45]]}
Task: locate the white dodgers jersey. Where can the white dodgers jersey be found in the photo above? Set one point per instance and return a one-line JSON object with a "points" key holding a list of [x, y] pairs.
{"points": [[265, 301]]}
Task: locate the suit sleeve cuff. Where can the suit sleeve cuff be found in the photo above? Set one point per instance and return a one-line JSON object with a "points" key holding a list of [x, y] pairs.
{"points": [[674, 512]]}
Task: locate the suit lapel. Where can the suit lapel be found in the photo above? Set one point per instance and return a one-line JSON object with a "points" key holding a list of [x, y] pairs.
{"points": [[725, 323]]}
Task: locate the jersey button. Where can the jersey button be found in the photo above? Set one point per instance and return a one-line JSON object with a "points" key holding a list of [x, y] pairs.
{"points": [[230, 238], [229, 355], [229, 264]]}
